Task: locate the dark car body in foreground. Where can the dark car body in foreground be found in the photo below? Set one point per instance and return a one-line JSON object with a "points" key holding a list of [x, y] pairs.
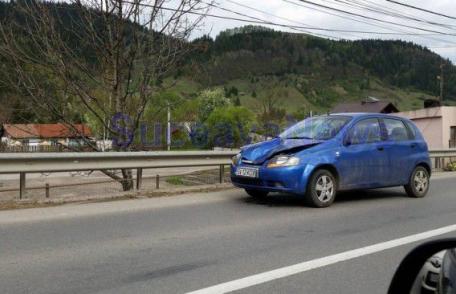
{"points": [[447, 281], [322, 155]]}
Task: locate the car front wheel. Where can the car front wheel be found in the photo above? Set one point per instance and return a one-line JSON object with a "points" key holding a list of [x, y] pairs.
{"points": [[321, 189], [256, 193], [418, 184]]}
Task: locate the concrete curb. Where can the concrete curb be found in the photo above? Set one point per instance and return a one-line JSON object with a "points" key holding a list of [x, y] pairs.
{"points": [[443, 174], [31, 203]]}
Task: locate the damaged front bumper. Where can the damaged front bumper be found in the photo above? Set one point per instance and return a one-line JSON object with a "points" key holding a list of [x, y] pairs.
{"points": [[292, 179]]}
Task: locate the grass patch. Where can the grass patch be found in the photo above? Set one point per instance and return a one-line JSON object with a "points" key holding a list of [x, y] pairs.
{"points": [[175, 180]]}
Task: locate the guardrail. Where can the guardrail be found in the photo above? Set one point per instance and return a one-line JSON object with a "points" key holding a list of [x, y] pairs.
{"points": [[442, 153], [439, 158], [23, 163], [59, 162]]}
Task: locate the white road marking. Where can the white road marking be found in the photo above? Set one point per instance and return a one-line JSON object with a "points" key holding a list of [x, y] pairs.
{"points": [[319, 262]]}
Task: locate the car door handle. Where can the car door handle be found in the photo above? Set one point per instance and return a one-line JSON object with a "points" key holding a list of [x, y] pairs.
{"points": [[380, 148], [413, 145]]}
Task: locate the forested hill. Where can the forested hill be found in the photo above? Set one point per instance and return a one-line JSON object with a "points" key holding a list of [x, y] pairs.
{"points": [[321, 68], [290, 73], [398, 62]]}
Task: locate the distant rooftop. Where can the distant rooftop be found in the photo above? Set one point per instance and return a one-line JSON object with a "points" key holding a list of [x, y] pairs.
{"points": [[370, 104]]}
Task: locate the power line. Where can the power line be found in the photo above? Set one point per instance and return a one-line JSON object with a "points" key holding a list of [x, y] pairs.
{"points": [[352, 18], [378, 10], [259, 19], [440, 47], [421, 9], [381, 9], [273, 23], [373, 18], [424, 36], [385, 8], [276, 16]]}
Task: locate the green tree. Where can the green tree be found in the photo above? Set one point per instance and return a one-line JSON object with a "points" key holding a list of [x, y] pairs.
{"points": [[229, 126], [209, 100]]}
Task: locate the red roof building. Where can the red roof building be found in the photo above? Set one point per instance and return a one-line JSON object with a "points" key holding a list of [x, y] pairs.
{"points": [[44, 137], [46, 131]]}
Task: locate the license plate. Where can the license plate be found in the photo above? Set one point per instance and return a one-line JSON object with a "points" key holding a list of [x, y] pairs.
{"points": [[248, 172]]}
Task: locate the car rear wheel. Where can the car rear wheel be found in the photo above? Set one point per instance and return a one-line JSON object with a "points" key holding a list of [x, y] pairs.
{"points": [[418, 185], [256, 193], [321, 189]]}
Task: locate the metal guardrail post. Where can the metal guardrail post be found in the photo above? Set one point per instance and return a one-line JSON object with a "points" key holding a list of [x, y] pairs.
{"points": [[138, 178], [157, 182], [22, 188], [221, 173], [47, 190]]}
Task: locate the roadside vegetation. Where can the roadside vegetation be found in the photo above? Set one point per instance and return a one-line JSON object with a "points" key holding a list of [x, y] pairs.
{"points": [[115, 70]]}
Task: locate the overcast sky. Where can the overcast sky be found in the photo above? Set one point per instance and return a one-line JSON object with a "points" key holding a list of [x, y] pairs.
{"points": [[293, 12]]}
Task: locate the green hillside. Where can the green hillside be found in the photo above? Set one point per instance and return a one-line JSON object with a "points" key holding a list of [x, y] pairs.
{"points": [[260, 68], [312, 73]]}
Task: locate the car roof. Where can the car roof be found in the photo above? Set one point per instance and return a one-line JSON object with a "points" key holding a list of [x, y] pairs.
{"points": [[366, 114]]}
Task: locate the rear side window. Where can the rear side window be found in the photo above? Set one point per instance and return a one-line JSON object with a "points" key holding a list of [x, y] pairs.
{"points": [[365, 131], [396, 130], [412, 130]]}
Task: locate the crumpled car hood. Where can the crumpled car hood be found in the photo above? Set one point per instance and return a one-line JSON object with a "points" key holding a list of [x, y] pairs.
{"points": [[260, 152]]}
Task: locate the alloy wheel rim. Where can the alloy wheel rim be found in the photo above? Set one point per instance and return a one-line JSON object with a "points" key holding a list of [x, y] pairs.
{"points": [[324, 188], [420, 181]]}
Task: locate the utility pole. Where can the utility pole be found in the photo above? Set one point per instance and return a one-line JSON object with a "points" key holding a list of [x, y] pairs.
{"points": [[441, 78], [168, 129]]}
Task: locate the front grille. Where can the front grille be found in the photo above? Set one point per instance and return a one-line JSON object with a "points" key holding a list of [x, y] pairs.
{"points": [[247, 181]]}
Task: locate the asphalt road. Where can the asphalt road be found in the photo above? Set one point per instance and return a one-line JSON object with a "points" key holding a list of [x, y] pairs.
{"points": [[190, 242]]}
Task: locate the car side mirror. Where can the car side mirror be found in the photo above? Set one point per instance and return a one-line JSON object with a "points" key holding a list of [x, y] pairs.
{"points": [[430, 267], [347, 141]]}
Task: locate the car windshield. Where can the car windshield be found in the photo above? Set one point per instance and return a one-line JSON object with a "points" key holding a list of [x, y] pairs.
{"points": [[316, 128]]}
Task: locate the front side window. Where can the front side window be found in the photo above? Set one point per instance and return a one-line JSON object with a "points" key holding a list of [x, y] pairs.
{"points": [[396, 130], [316, 128], [365, 131]]}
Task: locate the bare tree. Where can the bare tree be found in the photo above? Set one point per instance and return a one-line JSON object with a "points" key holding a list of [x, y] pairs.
{"points": [[106, 57], [270, 102]]}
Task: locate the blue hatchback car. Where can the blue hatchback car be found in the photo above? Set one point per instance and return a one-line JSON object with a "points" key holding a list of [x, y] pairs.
{"points": [[319, 156]]}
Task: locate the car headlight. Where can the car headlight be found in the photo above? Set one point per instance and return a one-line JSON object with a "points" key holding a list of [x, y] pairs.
{"points": [[283, 160], [236, 159]]}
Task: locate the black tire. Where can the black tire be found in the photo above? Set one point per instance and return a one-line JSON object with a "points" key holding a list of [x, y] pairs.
{"points": [[418, 184], [324, 196], [257, 194]]}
